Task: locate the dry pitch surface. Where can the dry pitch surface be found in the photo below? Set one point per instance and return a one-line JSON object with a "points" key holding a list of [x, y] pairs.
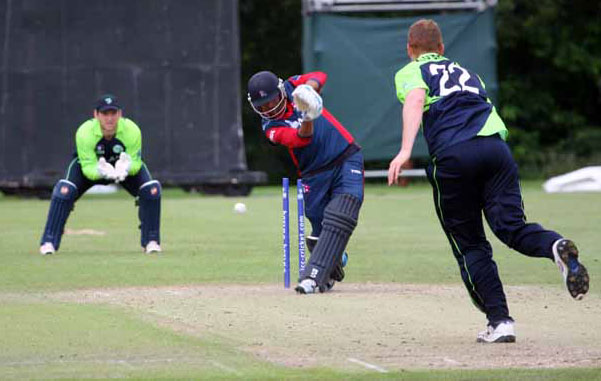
{"points": [[381, 327]]}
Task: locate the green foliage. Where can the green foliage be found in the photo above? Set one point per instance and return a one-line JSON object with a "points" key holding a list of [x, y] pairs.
{"points": [[537, 161], [549, 67], [587, 141]]}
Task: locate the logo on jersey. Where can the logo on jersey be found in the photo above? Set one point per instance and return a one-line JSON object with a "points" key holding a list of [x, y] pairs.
{"points": [[294, 123], [99, 150], [117, 148]]}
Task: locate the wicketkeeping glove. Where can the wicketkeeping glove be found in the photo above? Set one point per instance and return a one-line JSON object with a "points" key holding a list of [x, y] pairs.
{"points": [[308, 102], [106, 170], [122, 166]]}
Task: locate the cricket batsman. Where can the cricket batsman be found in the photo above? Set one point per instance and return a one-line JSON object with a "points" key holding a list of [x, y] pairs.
{"points": [[328, 160], [108, 150]]}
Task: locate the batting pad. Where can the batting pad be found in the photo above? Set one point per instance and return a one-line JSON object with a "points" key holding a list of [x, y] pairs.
{"points": [[149, 213], [311, 241], [339, 221], [337, 273], [61, 204]]}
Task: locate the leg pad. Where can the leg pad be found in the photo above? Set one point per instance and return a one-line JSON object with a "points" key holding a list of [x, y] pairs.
{"points": [[339, 221], [149, 202], [64, 195]]}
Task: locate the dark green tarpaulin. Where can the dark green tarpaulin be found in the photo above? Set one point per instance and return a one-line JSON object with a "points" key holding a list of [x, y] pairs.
{"points": [[361, 56]]}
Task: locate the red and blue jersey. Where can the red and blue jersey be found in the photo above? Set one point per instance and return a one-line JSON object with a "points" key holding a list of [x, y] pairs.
{"points": [[330, 139]]}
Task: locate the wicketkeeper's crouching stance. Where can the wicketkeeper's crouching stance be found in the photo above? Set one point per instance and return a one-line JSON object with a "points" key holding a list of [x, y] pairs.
{"points": [[108, 151], [328, 160]]}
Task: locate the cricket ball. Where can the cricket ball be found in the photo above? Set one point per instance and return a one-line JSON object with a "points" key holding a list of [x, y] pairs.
{"points": [[240, 208]]}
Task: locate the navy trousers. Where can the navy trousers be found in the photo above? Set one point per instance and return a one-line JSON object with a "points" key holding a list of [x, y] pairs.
{"points": [[131, 184], [321, 188], [59, 213], [476, 177]]}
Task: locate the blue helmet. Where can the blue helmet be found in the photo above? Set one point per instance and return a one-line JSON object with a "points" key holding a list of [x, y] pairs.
{"points": [[263, 87]]}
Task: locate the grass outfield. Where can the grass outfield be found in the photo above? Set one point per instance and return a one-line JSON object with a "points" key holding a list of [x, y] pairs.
{"points": [[398, 240]]}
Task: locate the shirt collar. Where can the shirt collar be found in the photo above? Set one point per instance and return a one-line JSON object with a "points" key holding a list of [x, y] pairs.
{"points": [[428, 56]]}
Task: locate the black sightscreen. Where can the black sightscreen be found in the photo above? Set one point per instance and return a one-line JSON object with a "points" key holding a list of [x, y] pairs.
{"points": [[174, 64]]}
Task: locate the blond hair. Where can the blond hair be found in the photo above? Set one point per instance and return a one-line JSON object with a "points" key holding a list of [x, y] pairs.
{"points": [[424, 36]]}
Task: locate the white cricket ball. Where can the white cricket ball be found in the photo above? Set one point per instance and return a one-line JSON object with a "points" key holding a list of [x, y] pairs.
{"points": [[240, 208]]}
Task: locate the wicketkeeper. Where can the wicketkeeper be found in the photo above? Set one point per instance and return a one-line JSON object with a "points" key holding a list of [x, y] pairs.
{"points": [[108, 150], [328, 160]]}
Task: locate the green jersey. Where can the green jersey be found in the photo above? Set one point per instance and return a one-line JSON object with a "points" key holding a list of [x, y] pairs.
{"points": [[91, 145], [456, 108]]}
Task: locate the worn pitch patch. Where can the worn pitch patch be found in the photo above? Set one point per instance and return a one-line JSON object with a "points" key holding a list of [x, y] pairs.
{"points": [[84, 232]]}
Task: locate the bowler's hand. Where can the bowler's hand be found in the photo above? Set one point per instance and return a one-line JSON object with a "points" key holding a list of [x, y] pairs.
{"points": [[106, 170], [395, 166], [122, 166]]}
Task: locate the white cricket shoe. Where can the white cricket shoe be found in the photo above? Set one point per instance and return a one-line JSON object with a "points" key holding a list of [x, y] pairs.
{"points": [[502, 333], [307, 286], [152, 247], [47, 248], [574, 273]]}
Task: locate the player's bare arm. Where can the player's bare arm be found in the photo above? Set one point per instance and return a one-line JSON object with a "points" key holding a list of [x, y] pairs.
{"points": [[412, 118]]}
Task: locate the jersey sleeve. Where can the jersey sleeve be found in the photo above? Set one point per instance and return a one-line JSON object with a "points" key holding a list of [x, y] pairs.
{"points": [[133, 145], [318, 76], [85, 145], [286, 136], [407, 79]]}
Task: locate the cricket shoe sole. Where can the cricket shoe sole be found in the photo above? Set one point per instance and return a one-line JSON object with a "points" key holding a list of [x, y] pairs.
{"points": [[574, 273]]}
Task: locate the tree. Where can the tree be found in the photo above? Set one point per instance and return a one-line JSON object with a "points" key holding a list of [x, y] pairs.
{"points": [[271, 37]]}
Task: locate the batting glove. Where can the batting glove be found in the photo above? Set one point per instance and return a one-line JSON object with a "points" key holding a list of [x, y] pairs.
{"points": [[106, 170], [308, 102], [122, 166]]}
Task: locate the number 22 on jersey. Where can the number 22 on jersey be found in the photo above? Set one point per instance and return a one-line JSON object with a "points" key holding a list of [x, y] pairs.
{"points": [[454, 78]]}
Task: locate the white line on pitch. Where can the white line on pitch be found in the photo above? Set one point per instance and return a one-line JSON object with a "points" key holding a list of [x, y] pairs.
{"points": [[451, 361], [224, 367], [367, 365]]}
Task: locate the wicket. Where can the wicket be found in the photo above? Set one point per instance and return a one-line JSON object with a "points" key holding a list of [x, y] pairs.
{"points": [[286, 228]]}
